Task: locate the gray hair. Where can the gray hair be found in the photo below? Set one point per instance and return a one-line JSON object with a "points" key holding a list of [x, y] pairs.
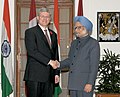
{"points": [[43, 9]]}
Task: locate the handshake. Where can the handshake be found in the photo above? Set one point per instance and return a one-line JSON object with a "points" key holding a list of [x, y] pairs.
{"points": [[55, 64]]}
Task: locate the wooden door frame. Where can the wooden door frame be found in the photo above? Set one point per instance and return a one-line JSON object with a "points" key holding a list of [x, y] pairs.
{"points": [[18, 47]]}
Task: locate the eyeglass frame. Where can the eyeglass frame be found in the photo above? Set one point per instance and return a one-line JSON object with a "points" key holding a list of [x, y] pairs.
{"points": [[46, 17], [78, 27]]}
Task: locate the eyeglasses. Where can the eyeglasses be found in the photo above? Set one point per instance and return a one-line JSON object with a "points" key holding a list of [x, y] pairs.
{"points": [[78, 27], [45, 17]]}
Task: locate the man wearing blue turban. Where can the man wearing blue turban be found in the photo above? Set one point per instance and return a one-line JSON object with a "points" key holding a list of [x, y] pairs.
{"points": [[83, 59]]}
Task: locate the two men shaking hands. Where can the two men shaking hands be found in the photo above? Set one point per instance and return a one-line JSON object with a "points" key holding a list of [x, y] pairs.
{"points": [[55, 64]]}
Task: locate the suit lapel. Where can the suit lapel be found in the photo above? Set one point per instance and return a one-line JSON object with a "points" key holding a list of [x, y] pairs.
{"points": [[41, 33], [52, 40], [51, 36]]}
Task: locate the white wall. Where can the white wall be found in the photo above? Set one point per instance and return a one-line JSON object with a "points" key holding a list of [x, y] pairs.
{"points": [[91, 7]]}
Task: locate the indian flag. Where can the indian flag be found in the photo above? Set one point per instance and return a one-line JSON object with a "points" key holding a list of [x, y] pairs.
{"points": [[56, 24], [56, 29], [6, 56]]}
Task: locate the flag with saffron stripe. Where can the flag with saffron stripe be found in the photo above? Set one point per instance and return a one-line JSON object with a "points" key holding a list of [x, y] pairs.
{"points": [[58, 89], [6, 56]]}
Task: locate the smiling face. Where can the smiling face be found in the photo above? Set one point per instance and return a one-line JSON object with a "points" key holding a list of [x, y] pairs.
{"points": [[80, 30], [44, 18]]}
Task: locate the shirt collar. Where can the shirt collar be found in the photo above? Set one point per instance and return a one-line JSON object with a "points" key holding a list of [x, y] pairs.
{"points": [[43, 28], [82, 39]]}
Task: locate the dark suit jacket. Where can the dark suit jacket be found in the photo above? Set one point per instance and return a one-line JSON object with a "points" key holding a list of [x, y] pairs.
{"points": [[39, 54], [83, 62]]}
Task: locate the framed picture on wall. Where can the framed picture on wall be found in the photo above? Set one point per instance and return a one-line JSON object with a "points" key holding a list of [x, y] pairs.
{"points": [[108, 26]]}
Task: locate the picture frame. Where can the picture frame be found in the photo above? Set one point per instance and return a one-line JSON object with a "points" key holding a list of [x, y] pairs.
{"points": [[108, 26]]}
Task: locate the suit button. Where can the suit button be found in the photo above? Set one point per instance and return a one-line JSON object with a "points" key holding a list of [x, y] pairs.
{"points": [[74, 56], [72, 63], [70, 71], [77, 48]]}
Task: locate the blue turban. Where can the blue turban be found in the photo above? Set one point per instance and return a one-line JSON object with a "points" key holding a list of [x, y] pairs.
{"points": [[85, 22]]}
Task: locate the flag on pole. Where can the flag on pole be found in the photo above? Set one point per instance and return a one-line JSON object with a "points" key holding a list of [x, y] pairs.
{"points": [[32, 23], [58, 89], [6, 56], [32, 15], [56, 24], [78, 8]]}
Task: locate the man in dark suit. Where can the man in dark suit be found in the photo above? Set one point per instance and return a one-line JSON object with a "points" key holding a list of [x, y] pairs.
{"points": [[83, 60], [42, 49]]}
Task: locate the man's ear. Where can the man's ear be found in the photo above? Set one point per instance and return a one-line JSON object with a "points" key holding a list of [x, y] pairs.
{"points": [[84, 28]]}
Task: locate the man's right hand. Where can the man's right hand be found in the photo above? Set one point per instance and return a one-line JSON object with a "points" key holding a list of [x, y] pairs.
{"points": [[54, 64]]}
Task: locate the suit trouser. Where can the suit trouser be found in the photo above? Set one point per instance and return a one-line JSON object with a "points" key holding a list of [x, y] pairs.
{"points": [[39, 89], [77, 93]]}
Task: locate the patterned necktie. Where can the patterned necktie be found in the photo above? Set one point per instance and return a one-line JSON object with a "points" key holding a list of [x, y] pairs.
{"points": [[47, 37]]}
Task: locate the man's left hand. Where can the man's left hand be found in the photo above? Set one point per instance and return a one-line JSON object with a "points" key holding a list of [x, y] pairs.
{"points": [[57, 79], [88, 88]]}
